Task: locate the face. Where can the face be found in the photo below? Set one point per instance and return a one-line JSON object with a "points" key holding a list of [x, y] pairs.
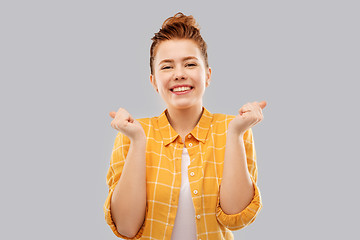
{"points": [[180, 75]]}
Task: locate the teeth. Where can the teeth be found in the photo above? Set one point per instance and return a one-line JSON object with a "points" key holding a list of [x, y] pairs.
{"points": [[181, 89]]}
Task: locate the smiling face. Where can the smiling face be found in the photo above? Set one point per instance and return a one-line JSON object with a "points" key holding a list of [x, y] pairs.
{"points": [[180, 75]]}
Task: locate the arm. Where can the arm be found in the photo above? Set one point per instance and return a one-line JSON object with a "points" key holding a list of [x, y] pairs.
{"points": [[239, 198], [127, 178], [237, 190], [128, 202]]}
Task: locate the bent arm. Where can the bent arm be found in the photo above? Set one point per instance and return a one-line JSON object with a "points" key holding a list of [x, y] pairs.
{"points": [[128, 202], [237, 190]]}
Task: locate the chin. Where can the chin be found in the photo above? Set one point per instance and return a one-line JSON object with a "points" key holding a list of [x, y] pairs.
{"points": [[184, 105]]}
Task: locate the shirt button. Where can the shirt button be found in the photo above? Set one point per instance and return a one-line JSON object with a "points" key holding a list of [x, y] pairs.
{"points": [[189, 136], [198, 216], [190, 144], [192, 174], [195, 192]]}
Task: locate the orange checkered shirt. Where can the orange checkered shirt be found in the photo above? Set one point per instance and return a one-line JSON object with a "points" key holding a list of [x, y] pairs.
{"points": [[206, 147]]}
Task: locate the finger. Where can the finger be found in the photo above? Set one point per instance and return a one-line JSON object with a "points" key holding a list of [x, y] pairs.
{"points": [[262, 104], [259, 119], [241, 112], [130, 119], [112, 114], [257, 109], [245, 115], [113, 125], [245, 108], [254, 113]]}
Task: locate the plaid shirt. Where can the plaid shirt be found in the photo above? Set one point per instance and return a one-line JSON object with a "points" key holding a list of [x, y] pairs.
{"points": [[206, 147]]}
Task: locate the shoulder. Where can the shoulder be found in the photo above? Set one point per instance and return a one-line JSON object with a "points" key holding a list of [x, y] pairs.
{"points": [[146, 122], [149, 124], [221, 122], [221, 119]]}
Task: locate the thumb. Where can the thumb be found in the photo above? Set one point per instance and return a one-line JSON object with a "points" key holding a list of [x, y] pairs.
{"points": [[262, 104], [112, 114]]}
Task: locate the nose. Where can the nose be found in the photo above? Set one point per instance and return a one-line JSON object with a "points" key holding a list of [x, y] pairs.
{"points": [[179, 73]]}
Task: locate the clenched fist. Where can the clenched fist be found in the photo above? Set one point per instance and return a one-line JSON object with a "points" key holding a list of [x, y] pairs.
{"points": [[126, 124], [249, 115]]}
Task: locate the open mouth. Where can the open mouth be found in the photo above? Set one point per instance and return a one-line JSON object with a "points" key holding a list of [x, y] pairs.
{"points": [[181, 89]]}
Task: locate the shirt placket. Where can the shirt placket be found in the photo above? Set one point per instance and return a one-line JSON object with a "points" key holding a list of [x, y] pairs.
{"points": [[192, 145]]}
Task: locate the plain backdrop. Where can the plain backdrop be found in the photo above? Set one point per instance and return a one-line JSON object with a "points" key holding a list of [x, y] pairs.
{"points": [[64, 65]]}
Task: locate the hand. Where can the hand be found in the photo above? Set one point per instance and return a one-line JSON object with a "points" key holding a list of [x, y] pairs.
{"points": [[249, 115], [126, 124]]}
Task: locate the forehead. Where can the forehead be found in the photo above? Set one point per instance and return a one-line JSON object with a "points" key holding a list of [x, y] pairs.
{"points": [[177, 49]]}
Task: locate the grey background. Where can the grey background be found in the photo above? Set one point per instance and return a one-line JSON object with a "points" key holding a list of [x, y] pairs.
{"points": [[66, 64]]}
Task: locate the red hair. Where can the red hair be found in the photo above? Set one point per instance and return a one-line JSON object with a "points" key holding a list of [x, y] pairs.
{"points": [[179, 26]]}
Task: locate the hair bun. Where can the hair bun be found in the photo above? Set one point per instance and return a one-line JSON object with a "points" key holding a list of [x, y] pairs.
{"points": [[182, 19]]}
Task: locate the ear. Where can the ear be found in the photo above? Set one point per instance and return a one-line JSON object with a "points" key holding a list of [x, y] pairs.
{"points": [[153, 82], [208, 77]]}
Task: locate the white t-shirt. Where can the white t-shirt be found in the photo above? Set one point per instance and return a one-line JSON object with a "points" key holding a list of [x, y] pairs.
{"points": [[185, 225]]}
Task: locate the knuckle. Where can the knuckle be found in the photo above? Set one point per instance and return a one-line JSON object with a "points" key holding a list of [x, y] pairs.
{"points": [[121, 111]]}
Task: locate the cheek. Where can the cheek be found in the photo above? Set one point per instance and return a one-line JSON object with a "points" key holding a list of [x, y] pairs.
{"points": [[161, 80], [163, 86], [200, 78]]}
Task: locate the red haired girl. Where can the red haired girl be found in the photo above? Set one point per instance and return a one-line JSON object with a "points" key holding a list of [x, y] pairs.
{"points": [[188, 173]]}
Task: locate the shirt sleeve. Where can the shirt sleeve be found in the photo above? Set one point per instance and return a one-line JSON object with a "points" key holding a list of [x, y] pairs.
{"points": [[117, 161], [248, 215]]}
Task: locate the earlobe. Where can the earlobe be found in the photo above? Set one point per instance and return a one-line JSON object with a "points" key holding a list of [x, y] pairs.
{"points": [[208, 77]]}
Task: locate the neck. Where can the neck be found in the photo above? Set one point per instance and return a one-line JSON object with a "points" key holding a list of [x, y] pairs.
{"points": [[184, 120]]}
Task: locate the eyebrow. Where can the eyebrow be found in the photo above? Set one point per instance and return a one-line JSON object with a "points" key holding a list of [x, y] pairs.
{"points": [[183, 59]]}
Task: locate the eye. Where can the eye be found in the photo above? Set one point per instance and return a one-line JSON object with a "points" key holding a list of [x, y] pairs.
{"points": [[190, 65], [166, 67]]}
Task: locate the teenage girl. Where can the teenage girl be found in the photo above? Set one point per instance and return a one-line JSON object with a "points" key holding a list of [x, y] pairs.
{"points": [[188, 173]]}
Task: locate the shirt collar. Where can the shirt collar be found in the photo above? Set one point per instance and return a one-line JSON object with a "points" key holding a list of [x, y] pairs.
{"points": [[199, 132]]}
